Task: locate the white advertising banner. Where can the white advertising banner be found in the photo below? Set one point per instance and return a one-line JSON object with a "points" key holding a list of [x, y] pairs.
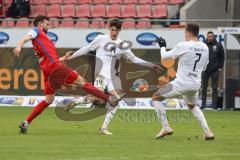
{"points": [[77, 38], [127, 103], [30, 101], [232, 36], [233, 42]]}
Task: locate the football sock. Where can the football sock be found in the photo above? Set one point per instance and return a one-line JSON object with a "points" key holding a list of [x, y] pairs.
{"points": [[161, 113], [37, 110], [201, 119], [80, 100], [88, 87], [111, 111], [26, 123]]}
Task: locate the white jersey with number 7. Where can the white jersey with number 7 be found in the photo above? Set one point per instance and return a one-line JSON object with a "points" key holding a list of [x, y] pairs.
{"points": [[193, 59]]}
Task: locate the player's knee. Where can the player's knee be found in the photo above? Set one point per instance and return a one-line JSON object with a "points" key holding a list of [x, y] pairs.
{"points": [[49, 100], [80, 81]]}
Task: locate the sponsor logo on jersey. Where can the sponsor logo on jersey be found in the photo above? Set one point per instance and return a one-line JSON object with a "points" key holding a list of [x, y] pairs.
{"points": [[146, 38], [52, 36], [4, 37], [91, 36]]}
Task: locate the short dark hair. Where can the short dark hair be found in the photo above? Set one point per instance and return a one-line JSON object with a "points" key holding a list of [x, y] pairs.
{"points": [[210, 32], [192, 28], [39, 18], [116, 23]]}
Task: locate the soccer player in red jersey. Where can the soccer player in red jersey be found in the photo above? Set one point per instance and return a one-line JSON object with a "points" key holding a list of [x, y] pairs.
{"points": [[55, 72]]}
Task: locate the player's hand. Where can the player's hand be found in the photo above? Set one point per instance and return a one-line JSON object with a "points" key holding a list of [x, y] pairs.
{"points": [[157, 68], [62, 59], [16, 52], [66, 57], [161, 42]]}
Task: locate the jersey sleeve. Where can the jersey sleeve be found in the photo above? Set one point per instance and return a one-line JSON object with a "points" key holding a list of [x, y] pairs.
{"points": [[176, 52], [95, 43], [34, 33], [128, 54]]}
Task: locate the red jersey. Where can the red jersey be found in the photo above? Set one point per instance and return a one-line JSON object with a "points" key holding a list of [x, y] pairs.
{"points": [[44, 49]]}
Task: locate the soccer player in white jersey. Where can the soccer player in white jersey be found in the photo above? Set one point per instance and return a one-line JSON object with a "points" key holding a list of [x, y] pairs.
{"points": [[192, 60], [109, 49]]}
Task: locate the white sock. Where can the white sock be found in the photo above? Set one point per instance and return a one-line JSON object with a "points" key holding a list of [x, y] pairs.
{"points": [[26, 123], [201, 119], [111, 111], [161, 113], [80, 100]]}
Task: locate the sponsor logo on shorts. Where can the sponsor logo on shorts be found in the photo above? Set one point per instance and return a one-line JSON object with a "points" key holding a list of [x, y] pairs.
{"points": [[4, 37], [52, 36], [146, 38], [91, 36]]}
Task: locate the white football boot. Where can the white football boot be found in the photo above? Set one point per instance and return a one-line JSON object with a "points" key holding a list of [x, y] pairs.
{"points": [[164, 132], [105, 131], [208, 136]]}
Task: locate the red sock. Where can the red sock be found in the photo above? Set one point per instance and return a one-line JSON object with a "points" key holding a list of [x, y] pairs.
{"points": [[88, 87], [37, 110]]}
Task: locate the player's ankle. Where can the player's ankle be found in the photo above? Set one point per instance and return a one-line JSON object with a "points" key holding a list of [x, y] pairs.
{"points": [[26, 123]]}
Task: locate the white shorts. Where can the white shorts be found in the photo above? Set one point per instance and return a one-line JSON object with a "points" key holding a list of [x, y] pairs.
{"points": [[107, 84], [175, 90]]}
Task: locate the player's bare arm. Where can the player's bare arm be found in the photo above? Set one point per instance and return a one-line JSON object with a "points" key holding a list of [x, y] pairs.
{"points": [[20, 44], [66, 56]]}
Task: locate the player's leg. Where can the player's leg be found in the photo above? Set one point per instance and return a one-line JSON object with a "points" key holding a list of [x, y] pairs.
{"points": [[99, 83], [111, 111], [214, 79], [64, 75], [88, 87], [115, 88], [190, 98], [49, 97], [157, 100], [35, 112], [205, 78]]}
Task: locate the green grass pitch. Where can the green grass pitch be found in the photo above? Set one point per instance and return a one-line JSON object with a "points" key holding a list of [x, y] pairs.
{"points": [[50, 138]]}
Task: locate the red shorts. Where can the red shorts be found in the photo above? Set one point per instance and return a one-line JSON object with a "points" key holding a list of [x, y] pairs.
{"points": [[60, 75]]}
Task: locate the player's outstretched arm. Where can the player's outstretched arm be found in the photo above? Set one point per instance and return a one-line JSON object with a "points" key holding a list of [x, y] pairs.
{"points": [[174, 53], [134, 59], [82, 51], [20, 44], [66, 56], [162, 44], [90, 47]]}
